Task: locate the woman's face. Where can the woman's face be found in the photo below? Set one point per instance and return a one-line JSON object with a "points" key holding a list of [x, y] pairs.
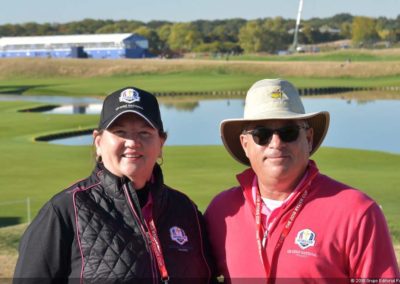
{"points": [[129, 147]]}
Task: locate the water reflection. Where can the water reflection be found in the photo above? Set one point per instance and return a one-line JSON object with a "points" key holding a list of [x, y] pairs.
{"points": [[182, 106], [357, 124], [76, 109], [362, 124]]}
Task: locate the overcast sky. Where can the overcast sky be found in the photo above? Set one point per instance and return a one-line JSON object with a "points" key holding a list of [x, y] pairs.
{"points": [[62, 11]]}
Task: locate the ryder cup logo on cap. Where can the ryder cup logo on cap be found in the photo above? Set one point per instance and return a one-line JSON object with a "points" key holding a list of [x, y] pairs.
{"points": [[131, 100], [305, 238], [129, 96], [178, 235]]}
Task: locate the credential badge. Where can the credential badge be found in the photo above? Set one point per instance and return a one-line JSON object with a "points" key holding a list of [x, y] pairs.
{"points": [[178, 235], [305, 238], [129, 96]]}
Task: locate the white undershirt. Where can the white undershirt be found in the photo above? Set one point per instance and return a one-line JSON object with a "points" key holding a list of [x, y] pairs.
{"points": [[272, 204]]}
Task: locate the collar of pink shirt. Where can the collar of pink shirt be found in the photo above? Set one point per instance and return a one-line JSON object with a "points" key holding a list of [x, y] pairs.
{"points": [[268, 216]]}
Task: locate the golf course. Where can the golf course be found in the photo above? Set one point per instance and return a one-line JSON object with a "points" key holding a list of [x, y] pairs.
{"points": [[38, 170]]}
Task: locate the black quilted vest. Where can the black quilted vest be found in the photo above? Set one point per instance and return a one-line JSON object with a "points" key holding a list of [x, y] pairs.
{"points": [[113, 244]]}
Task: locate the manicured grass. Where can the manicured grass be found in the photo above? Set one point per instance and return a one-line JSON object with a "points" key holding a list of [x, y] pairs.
{"points": [[177, 82], [181, 81], [31, 169], [100, 77], [39, 170]]}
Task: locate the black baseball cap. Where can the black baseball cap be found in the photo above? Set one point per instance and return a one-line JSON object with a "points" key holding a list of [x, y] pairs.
{"points": [[131, 100]]}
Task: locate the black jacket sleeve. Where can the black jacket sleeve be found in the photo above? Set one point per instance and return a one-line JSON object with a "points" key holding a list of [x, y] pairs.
{"points": [[44, 249]]}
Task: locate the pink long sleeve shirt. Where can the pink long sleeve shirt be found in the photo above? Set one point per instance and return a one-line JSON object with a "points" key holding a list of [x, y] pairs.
{"points": [[338, 234]]}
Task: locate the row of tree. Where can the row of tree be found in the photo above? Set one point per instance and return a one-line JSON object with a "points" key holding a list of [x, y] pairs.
{"points": [[227, 36]]}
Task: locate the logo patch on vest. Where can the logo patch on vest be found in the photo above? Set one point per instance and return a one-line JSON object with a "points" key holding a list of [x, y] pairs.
{"points": [[129, 96], [178, 235], [305, 238]]}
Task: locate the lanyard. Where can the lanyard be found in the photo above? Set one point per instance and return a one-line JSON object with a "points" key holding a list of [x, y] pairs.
{"points": [[152, 233], [155, 244], [262, 234]]}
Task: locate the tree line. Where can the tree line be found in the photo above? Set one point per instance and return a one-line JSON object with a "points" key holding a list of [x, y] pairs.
{"points": [[228, 36]]}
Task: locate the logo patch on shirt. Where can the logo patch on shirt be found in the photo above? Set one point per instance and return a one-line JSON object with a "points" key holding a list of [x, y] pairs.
{"points": [[129, 96], [178, 235], [305, 238]]}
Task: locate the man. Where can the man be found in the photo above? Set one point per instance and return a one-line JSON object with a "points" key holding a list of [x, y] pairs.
{"points": [[287, 221]]}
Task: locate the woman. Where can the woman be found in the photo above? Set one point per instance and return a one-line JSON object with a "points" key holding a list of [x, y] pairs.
{"points": [[122, 223]]}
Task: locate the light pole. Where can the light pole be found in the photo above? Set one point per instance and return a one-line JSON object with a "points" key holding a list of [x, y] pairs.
{"points": [[296, 30]]}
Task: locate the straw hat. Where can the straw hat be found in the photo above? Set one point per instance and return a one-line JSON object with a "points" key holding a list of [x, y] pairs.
{"points": [[266, 100]]}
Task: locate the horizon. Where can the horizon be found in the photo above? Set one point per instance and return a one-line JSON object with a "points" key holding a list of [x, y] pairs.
{"points": [[60, 12]]}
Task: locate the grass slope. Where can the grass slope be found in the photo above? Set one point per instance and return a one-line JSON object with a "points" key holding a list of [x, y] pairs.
{"points": [[40, 170], [92, 77]]}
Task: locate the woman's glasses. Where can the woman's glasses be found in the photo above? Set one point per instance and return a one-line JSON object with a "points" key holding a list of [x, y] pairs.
{"points": [[262, 135]]}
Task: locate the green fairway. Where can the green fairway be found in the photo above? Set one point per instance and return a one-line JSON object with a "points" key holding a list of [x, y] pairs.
{"points": [[91, 77], [187, 82], [193, 82], [39, 170]]}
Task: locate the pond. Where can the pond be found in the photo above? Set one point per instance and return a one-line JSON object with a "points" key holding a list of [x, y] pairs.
{"points": [[361, 124]]}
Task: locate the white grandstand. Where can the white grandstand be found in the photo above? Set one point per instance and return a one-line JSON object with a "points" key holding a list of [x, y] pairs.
{"points": [[124, 45]]}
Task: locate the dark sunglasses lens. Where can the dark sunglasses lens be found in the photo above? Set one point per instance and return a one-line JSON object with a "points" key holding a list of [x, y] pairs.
{"points": [[289, 133], [262, 135]]}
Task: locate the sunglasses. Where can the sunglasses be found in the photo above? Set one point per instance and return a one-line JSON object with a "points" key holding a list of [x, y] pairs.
{"points": [[262, 135]]}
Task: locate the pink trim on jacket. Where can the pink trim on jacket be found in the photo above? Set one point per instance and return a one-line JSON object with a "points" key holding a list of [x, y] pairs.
{"points": [[78, 189]]}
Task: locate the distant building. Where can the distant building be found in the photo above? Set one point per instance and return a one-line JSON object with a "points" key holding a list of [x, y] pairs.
{"points": [[66, 46], [329, 30]]}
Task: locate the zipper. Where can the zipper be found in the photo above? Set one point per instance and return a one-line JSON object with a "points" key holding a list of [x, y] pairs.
{"points": [[144, 230]]}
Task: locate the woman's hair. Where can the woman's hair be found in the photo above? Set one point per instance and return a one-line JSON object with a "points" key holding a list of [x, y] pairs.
{"points": [[163, 134]]}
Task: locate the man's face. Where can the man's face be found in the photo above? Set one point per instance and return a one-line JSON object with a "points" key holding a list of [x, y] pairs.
{"points": [[277, 160]]}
